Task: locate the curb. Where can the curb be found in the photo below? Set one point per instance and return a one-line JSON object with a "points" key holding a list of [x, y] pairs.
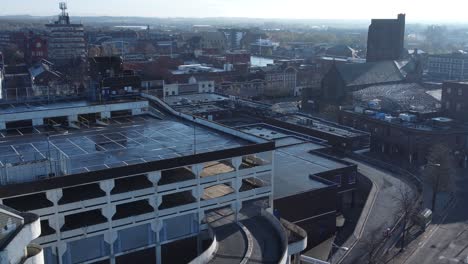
{"points": [[365, 214], [249, 251]]}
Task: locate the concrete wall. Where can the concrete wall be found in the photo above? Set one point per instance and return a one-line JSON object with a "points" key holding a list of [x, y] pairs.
{"points": [[72, 111], [282, 233], [14, 252], [208, 254]]}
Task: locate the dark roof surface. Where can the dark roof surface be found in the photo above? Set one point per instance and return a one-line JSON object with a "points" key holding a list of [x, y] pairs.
{"points": [[399, 97], [354, 74]]}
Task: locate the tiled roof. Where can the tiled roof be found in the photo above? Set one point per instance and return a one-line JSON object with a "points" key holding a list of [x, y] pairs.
{"points": [[398, 97], [355, 74]]}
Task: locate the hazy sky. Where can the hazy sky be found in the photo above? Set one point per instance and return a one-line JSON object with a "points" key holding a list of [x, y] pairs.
{"points": [[416, 10]]}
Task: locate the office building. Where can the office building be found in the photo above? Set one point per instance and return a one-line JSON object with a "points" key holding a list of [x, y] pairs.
{"points": [[66, 40], [447, 67]]}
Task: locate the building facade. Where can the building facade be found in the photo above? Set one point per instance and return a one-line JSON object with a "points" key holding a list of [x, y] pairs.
{"points": [[447, 67], [66, 40], [408, 141], [192, 87], [455, 100]]}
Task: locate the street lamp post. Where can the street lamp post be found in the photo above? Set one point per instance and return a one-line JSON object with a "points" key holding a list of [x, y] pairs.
{"points": [[435, 187]]}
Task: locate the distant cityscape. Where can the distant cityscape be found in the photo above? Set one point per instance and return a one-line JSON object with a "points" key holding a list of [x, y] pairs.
{"points": [[232, 141]]}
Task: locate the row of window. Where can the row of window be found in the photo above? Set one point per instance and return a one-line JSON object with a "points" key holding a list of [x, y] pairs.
{"points": [[458, 106], [452, 60], [460, 91]]}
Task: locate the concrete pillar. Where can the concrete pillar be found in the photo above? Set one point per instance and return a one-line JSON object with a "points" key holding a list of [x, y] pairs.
{"points": [[157, 226], [110, 237], [108, 211], [136, 111], [236, 162], [57, 222], [197, 169], [38, 122], [61, 248], [105, 115], [54, 195], [72, 118], [107, 185], [237, 206], [154, 177], [2, 125]]}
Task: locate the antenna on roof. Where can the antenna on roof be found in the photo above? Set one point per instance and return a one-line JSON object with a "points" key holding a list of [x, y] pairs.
{"points": [[63, 7]]}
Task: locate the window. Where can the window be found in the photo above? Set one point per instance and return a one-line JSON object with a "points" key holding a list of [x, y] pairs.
{"points": [[460, 91], [449, 90], [458, 107], [447, 105]]}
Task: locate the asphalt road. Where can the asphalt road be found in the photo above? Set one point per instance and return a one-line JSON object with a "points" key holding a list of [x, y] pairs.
{"points": [[383, 213], [447, 243]]}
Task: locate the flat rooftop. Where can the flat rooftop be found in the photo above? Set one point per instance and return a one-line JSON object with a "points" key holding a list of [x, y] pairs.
{"points": [[322, 125], [294, 164], [294, 161], [281, 136], [44, 106], [200, 109], [198, 98], [126, 141]]}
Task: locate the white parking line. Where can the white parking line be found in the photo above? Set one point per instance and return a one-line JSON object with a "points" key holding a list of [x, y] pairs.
{"points": [[77, 146]]}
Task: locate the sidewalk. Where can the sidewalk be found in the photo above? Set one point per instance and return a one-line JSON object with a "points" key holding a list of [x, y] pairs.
{"points": [[416, 235], [377, 215]]}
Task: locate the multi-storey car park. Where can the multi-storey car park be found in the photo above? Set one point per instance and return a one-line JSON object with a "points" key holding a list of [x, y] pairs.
{"points": [[303, 173], [121, 182]]}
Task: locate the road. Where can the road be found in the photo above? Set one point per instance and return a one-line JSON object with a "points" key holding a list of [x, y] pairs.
{"points": [[447, 243], [383, 212]]}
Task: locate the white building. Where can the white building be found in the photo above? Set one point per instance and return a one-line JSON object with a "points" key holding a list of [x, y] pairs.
{"points": [[17, 230], [192, 87]]}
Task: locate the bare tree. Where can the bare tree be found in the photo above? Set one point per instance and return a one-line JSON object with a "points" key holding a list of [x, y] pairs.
{"points": [[372, 243], [439, 170], [406, 200]]}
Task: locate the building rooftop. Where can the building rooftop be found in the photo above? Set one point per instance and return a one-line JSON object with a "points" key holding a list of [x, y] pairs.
{"points": [[355, 74], [398, 97], [281, 136], [44, 106], [322, 125], [295, 160], [189, 99], [294, 164], [126, 141]]}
